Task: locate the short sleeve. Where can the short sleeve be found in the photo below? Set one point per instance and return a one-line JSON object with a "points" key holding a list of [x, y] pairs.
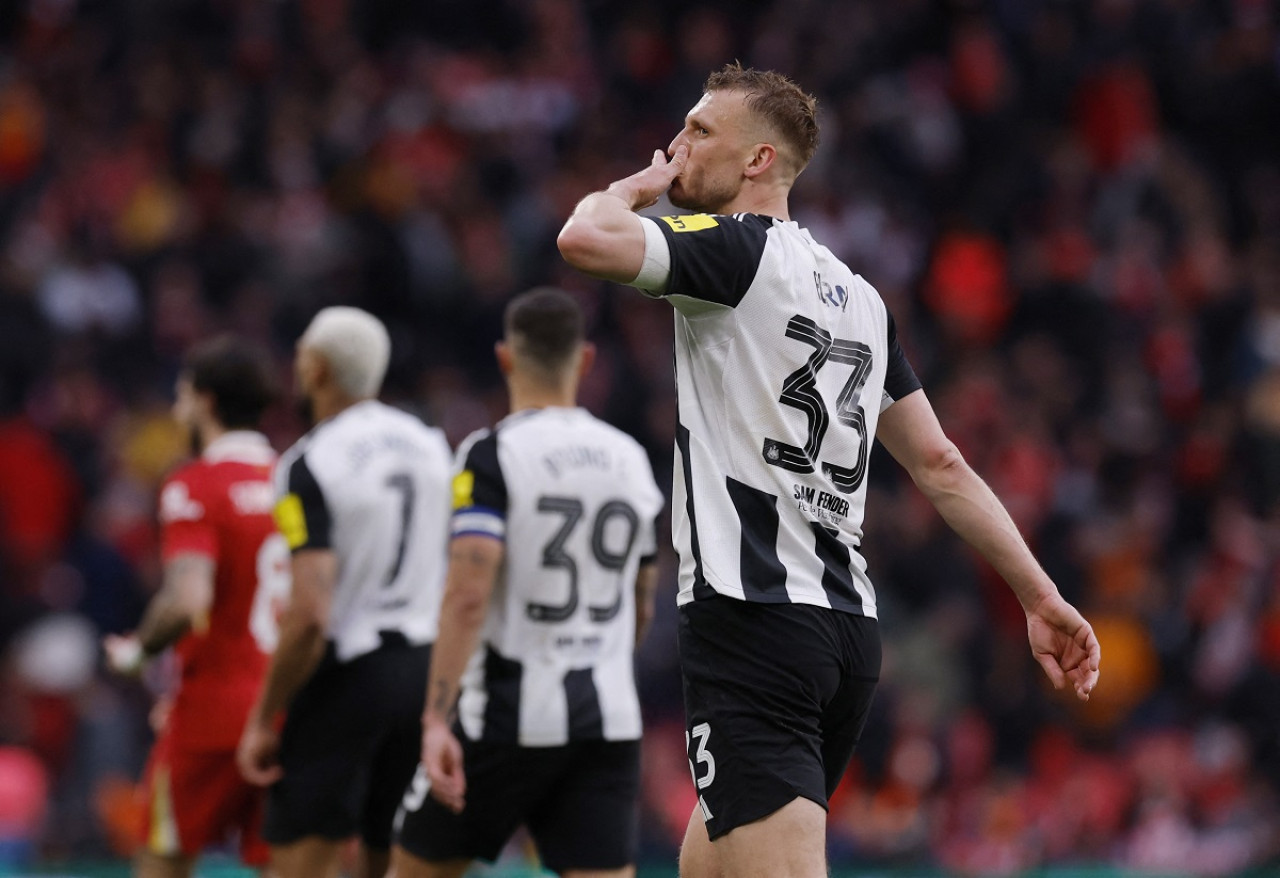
{"points": [[900, 379], [479, 489], [302, 513], [186, 520], [713, 258]]}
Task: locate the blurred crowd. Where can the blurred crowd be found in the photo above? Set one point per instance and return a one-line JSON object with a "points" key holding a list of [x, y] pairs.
{"points": [[1072, 208]]}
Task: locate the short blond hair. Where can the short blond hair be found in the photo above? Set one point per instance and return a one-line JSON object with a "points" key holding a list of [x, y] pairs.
{"points": [[356, 346], [786, 107]]}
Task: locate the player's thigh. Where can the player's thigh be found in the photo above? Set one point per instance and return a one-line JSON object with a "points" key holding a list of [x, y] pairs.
{"points": [[625, 872], [310, 857], [326, 749], [846, 713], [503, 781], [757, 680], [407, 865], [149, 865], [587, 821], [789, 843], [195, 798], [395, 758]]}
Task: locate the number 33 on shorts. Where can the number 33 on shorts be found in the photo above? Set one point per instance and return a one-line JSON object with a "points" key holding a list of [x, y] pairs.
{"points": [[701, 757]]}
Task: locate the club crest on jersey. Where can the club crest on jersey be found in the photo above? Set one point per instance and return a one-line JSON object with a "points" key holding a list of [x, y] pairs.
{"points": [[176, 504], [693, 223], [835, 296], [464, 485]]}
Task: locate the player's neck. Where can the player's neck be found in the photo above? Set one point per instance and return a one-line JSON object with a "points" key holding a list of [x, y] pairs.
{"points": [[325, 405], [761, 199], [531, 395], [210, 432]]}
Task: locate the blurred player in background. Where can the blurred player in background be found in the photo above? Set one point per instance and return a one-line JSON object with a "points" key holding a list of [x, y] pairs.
{"points": [[226, 571], [786, 364], [363, 501], [550, 586]]}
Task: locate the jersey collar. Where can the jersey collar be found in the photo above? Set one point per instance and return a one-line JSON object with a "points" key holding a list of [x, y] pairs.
{"points": [[246, 446]]}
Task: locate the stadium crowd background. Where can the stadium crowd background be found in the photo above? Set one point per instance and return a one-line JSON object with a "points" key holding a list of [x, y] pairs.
{"points": [[1072, 209]]}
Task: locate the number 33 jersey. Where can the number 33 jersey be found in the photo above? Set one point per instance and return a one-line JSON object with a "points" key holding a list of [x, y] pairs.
{"points": [[784, 361], [372, 485], [574, 502]]}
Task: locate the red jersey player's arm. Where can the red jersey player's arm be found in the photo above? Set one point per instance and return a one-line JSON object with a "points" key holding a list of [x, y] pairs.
{"points": [[182, 603], [302, 637], [1061, 640]]}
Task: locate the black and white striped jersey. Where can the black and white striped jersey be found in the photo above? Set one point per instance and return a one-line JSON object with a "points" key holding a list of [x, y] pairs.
{"points": [[372, 484], [784, 361], [574, 502]]}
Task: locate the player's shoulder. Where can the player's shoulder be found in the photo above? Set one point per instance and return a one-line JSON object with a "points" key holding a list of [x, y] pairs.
{"points": [[187, 492]]}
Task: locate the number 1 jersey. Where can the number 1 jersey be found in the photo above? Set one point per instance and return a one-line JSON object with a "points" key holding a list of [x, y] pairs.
{"points": [[784, 361], [371, 484], [219, 508]]}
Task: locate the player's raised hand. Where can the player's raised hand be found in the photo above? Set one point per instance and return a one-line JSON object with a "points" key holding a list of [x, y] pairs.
{"points": [[442, 758], [1064, 644], [258, 755], [643, 188]]}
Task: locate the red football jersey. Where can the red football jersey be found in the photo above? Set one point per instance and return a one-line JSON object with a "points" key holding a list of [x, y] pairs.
{"points": [[220, 507]]}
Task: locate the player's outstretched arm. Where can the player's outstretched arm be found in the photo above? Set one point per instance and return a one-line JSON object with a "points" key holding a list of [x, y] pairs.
{"points": [[182, 603], [302, 637], [604, 237], [1062, 641], [474, 562]]}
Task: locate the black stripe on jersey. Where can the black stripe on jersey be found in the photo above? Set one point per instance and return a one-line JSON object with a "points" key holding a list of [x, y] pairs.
{"points": [[303, 484], [586, 722], [502, 709], [718, 263], [489, 489], [761, 572], [700, 588], [899, 378], [837, 577]]}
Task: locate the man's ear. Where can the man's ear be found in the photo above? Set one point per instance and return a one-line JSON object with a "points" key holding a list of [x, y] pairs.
{"points": [[587, 360], [763, 157], [502, 353]]}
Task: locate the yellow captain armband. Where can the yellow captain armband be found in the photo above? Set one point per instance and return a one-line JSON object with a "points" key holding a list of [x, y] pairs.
{"points": [[464, 485], [291, 520], [693, 223]]}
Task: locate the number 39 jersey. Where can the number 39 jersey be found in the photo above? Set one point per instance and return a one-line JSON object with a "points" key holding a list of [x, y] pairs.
{"points": [[784, 361], [372, 485], [574, 502]]}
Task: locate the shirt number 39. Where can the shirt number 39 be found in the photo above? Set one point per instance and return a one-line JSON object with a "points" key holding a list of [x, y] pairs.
{"points": [[800, 391]]}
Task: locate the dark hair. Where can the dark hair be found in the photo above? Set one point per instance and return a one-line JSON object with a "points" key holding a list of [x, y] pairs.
{"points": [[545, 326], [238, 375], [778, 101]]}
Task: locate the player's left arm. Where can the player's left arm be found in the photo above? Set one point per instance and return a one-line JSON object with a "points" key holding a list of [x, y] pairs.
{"points": [[1062, 641], [604, 236], [474, 563], [303, 624], [182, 604]]}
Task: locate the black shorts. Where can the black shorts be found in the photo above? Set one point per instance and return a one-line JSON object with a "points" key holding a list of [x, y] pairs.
{"points": [[578, 802], [775, 696], [349, 747]]}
